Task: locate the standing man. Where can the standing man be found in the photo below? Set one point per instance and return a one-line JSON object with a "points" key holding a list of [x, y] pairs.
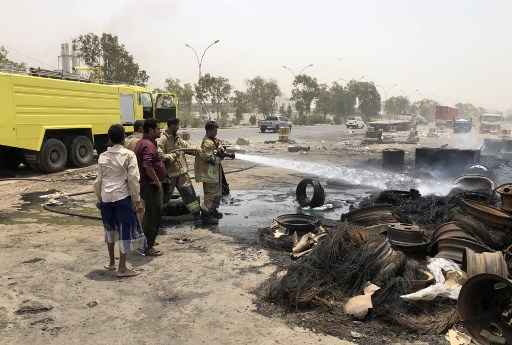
{"points": [[208, 169], [118, 192], [152, 171], [137, 134], [172, 149]]}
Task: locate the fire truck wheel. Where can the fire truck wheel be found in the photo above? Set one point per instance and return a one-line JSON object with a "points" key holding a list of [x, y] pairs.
{"points": [[53, 156], [81, 152]]}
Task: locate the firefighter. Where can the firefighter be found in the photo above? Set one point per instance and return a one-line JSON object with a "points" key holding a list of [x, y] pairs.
{"points": [[133, 139], [173, 149], [208, 170]]}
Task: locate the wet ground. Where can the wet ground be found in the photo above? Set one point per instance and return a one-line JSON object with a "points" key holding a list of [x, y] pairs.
{"points": [[206, 278], [257, 208], [254, 208]]}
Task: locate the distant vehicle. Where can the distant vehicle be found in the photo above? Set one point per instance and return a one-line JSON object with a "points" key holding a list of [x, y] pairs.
{"points": [[273, 123], [355, 122], [462, 126], [490, 123], [445, 116], [391, 131]]}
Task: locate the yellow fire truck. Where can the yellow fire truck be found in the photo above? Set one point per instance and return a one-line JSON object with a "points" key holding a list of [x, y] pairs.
{"points": [[49, 123]]}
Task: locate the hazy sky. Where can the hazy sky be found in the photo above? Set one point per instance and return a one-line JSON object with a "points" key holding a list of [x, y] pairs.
{"points": [[448, 50]]}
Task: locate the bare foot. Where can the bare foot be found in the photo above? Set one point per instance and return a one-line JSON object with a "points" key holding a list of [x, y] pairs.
{"points": [[127, 273]]}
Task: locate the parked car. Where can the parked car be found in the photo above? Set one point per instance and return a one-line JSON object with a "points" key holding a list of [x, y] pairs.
{"points": [[355, 122], [273, 123]]}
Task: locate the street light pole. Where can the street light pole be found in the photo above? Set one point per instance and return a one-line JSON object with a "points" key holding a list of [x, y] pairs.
{"points": [[292, 71], [200, 65], [200, 60], [289, 70], [305, 67]]}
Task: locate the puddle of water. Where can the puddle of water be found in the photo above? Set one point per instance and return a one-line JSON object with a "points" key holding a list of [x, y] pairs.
{"points": [[253, 209], [30, 210], [34, 200]]}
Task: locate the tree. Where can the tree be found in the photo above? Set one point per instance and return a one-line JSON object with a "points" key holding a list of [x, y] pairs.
{"points": [[220, 90], [262, 94], [343, 102], [184, 93], [468, 110], [289, 111], [186, 100], [109, 59], [305, 90], [5, 62], [242, 105], [425, 107], [368, 97], [282, 109], [397, 105], [324, 102], [214, 90]]}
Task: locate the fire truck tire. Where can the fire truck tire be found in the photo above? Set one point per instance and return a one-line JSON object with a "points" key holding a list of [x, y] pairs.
{"points": [[81, 151], [53, 156]]}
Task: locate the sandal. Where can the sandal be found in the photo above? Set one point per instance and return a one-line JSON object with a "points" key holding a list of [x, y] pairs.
{"points": [[153, 252], [127, 273], [110, 267]]}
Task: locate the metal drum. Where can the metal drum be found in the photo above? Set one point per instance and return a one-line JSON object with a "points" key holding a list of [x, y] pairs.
{"points": [[393, 159]]}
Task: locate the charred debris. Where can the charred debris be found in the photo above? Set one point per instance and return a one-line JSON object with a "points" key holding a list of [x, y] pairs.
{"points": [[422, 263]]}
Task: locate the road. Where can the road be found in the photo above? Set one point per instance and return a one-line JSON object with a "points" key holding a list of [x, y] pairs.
{"points": [[299, 133]]}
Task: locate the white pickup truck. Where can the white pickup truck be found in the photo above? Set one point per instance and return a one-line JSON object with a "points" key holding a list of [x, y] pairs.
{"points": [[273, 123], [355, 122]]}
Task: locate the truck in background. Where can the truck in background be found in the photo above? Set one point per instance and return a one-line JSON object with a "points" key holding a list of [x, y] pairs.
{"points": [[490, 123], [273, 123], [50, 123], [445, 116], [462, 126], [355, 122]]}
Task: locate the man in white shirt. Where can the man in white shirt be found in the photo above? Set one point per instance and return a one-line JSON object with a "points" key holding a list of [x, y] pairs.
{"points": [[118, 192]]}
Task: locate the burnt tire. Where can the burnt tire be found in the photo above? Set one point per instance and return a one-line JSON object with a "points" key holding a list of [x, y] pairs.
{"points": [[53, 156], [318, 197], [81, 151]]}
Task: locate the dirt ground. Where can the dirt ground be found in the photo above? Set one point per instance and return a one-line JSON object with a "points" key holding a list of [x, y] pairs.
{"points": [[54, 290]]}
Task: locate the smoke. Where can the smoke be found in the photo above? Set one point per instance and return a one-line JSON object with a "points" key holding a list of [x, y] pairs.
{"points": [[468, 141], [355, 176]]}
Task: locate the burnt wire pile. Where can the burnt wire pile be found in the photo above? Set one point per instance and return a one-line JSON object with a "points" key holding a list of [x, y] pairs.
{"points": [[341, 265], [384, 244], [411, 207]]}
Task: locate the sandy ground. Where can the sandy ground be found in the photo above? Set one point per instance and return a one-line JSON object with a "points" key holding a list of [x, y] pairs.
{"points": [[54, 290]]}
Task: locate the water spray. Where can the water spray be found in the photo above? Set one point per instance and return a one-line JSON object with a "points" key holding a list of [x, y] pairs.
{"points": [[355, 176]]}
